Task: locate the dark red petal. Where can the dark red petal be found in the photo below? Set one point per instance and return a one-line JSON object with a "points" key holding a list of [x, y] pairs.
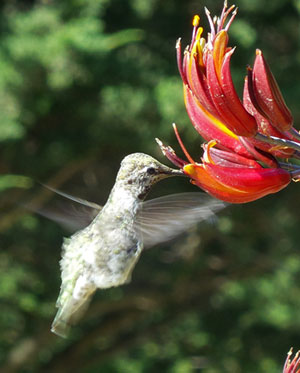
{"points": [[268, 95], [264, 126]]}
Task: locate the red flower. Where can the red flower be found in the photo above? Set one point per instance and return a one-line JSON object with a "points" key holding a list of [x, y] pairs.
{"points": [[238, 164]]}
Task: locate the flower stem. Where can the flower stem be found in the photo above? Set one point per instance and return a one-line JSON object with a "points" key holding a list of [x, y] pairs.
{"points": [[294, 133], [278, 141], [296, 155], [295, 175], [267, 160], [289, 166]]}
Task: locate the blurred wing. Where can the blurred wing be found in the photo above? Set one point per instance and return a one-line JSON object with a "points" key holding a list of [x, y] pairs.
{"points": [[70, 216], [81, 201], [164, 218]]}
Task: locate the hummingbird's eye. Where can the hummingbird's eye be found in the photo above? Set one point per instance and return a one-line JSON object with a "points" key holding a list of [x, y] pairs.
{"points": [[151, 171]]}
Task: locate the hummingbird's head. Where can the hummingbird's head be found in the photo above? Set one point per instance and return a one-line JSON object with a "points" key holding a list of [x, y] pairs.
{"points": [[140, 171]]}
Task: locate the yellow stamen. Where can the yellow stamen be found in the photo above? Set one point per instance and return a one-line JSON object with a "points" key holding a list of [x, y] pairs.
{"points": [[206, 156], [199, 33], [278, 147]]}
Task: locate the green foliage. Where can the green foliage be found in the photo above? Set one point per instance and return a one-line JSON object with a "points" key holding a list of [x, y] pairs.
{"points": [[82, 84], [12, 181]]}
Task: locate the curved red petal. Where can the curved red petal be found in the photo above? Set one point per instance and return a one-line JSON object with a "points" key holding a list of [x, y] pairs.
{"points": [[210, 127], [268, 95], [232, 97], [250, 179], [204, 178], [264, 126], [222, 104]]}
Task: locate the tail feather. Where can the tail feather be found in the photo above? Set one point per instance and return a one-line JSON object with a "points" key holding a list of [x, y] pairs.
{"points": [[69, 313]]}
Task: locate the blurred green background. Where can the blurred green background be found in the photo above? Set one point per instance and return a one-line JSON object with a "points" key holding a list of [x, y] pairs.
{"points": [[82, 84]]}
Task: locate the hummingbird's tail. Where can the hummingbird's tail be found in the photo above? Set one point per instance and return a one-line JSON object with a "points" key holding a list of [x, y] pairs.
{"points": [[69, 313]]}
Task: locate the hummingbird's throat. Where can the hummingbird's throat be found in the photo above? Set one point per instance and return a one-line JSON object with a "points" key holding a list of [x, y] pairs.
{"points": [[144, 193]]}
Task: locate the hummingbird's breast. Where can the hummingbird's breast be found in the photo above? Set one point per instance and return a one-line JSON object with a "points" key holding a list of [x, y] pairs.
{"points": [[115, 243]]}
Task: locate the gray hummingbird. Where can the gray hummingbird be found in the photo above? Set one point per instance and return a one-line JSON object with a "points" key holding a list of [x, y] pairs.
{"points": [[104, 253]]}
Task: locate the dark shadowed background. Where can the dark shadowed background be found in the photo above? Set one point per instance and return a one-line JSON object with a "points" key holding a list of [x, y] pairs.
{"points": [[82, 84]]}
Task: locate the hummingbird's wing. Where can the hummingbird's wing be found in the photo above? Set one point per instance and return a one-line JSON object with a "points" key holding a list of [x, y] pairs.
{"points": [[164, 218], [81, 201], [72, 217]]}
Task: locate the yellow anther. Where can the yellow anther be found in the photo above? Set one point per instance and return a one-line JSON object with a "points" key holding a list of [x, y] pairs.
{"points": [[196, 20]]}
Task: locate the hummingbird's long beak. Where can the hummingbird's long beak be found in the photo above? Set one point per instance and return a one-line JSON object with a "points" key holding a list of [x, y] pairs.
{"points": [[172, 172]]}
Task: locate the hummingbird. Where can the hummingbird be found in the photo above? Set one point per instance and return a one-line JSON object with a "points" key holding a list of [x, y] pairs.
{"points": [[104, 253]]}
